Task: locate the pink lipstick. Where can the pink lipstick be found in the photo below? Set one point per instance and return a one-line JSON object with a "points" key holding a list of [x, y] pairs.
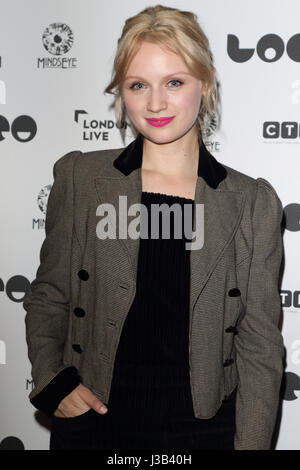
{"points": [[158, 122]]}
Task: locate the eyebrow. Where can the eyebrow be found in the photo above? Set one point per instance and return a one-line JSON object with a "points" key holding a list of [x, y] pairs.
{"points": [[166, 76]]}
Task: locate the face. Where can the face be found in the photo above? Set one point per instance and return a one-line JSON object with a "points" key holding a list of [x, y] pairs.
{"points": [[159, 84]]}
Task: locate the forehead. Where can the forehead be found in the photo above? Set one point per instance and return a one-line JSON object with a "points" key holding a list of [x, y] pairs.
{"points": [[155, 59]]}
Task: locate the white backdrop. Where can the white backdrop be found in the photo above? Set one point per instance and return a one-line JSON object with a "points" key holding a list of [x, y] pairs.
{"points": [[50, 104]]}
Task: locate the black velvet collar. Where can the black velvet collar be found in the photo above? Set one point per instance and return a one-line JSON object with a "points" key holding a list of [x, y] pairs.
{"points": [[212, 171]]}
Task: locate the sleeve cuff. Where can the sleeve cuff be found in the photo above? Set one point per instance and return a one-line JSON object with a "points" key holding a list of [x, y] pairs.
{"points": [[59, 387]]}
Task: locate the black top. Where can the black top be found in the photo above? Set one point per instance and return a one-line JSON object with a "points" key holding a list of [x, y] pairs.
{"points": [[151, 369]]}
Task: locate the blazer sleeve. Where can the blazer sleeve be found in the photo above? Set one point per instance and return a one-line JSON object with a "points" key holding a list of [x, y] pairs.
{"points": [[259, 343], [47, 304]]}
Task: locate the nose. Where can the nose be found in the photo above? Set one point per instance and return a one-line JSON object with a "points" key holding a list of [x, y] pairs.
{"points": [[157, 101]]}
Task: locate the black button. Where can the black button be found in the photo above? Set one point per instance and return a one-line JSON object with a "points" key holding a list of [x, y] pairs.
{"points": [[79, 312], [235, 292], [77, 348], [83, 275], [228, 362], [231, 329]]}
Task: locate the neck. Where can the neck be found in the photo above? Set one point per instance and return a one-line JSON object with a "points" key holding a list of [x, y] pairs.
{"points": [[176, 159]]}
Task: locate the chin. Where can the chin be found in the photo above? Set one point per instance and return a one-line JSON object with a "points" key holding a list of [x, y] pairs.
{"points": [[159, 138], [160, 135]]}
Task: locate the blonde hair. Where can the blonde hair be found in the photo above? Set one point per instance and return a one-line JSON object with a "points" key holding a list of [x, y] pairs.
{"points": [[179, 30]]}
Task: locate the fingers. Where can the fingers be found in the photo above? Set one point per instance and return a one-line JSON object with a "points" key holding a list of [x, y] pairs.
{"points": [[58, 413], [71, 406], [90, 399], [80, 400]]}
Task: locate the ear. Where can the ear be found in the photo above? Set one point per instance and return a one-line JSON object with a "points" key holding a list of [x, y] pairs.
{"points": [[204, 85], [203, 88]]}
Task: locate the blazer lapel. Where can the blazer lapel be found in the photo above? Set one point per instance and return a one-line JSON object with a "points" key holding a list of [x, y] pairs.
{"points": [[222, 209], [109, 189], [222, 214]]}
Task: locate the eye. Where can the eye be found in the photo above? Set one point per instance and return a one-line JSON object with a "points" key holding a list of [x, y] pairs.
{"points": [[175, 80], [134, 84]]}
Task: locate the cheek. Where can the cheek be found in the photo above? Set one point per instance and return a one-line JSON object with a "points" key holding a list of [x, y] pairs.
{"points": [[131, 103], [189, 102]]}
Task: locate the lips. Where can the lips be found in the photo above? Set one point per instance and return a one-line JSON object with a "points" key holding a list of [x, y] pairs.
{"points": [[157, 122]]}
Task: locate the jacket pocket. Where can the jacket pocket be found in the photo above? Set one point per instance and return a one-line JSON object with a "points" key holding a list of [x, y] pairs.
{"points": [[75, 433], [75, 418]]}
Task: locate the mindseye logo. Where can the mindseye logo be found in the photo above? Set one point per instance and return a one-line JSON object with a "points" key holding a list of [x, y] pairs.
{"points": [[210, 125], [42, 200], [57, 39], [210, 128]]}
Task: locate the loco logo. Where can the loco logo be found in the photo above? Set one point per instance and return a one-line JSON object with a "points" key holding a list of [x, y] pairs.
{"points": [[23, 128], [266, 44]]}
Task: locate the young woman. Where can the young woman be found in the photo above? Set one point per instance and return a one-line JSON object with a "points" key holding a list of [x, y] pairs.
{"points": [[180, 342]]}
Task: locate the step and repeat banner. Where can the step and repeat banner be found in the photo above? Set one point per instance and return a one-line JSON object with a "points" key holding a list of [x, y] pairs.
{"points": [[56, 59]]}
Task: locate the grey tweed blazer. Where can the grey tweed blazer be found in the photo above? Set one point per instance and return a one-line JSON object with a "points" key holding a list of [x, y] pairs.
{"points": [[84, 288]]}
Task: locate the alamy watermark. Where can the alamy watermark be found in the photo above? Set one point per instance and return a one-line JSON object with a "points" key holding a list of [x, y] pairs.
{"points": [[138, 227]]}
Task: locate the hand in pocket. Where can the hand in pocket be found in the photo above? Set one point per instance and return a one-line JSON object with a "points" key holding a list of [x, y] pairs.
{"points": [[78, 402]]}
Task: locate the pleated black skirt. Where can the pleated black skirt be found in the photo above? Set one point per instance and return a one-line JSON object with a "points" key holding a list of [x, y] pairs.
{"points": [[150, 404]]}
